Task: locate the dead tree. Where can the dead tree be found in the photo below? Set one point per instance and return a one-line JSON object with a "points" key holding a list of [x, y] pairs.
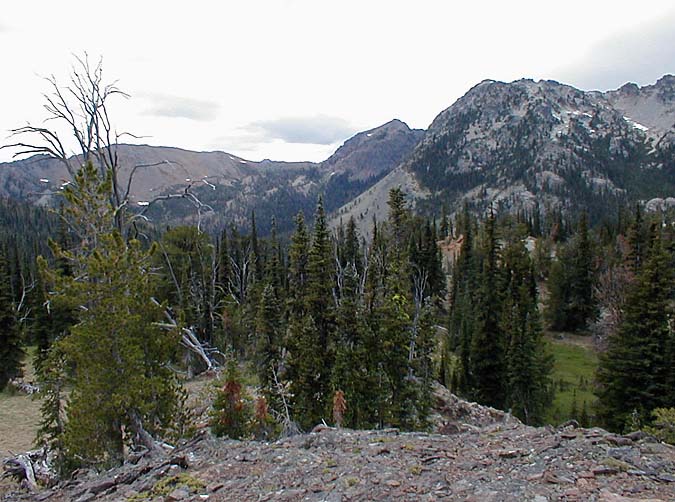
{"points": [[81, 108]]}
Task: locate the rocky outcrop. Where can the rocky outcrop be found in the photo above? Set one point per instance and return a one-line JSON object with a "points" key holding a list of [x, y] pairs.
{"points": [[489, 456], [540, 146]]}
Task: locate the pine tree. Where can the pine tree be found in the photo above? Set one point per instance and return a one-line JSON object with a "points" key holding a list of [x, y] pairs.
{"points": [[49, 323], [528, 366], [11, 352], [118, 353], [487, 342], [268, 333], [634, 373]]}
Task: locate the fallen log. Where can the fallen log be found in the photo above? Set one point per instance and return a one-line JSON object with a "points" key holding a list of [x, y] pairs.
{"points": [[30, 469]]}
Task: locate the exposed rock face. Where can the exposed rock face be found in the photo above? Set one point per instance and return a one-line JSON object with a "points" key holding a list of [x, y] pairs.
{"points": [[489, 456], [528, 144], [373, 153], [542, 146]]}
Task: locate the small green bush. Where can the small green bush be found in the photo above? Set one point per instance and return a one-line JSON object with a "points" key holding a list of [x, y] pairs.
{"points": [[663, 427]]}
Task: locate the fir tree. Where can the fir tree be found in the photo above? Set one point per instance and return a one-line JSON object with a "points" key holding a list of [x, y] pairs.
{"points": [[355, 365], [528, 386], [232, 408], [462, 306], [487, 342], [634, 372], [224, 264], [571, 303], [11, 352], [268, 334], [306, 371], [320, 304], [297, 258]]}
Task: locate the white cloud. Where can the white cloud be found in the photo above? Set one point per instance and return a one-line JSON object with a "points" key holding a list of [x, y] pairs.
{"points": [[639, 55], [164, 105], [217, 69], [319, 129]]}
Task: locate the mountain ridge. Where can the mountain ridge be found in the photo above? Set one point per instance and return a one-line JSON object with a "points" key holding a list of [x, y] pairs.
{"points": [[542, 146], [232, 185], [534, 146]]}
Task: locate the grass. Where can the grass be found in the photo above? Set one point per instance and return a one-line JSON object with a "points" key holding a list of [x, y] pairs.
{"points": [[573, 374], [19, 415], [19, 418]]}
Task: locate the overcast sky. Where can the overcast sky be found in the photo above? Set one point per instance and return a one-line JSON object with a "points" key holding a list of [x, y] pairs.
{"points": [[292, 79]]}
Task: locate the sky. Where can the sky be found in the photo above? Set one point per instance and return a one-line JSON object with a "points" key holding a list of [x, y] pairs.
{"points": [[293, 79]]}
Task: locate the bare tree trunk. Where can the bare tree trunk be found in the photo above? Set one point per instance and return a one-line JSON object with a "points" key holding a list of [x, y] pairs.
{"points": [[141, 436]]}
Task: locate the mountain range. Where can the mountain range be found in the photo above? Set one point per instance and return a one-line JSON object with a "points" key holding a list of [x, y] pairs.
{"points": [[520, 146]]}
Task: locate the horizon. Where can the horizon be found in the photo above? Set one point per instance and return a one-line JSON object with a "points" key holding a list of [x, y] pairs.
{"points": [[300, 161], [289, 80]]}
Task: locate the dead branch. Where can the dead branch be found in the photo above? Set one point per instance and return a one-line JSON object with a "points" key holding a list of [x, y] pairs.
{"points": [[30, 468], [290, 428], [190, 341]]}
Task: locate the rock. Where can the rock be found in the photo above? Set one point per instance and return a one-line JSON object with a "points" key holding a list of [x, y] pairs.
{"points": [[618, 440], [511, 453], [178, 494], [619, 465], [102, 486], [607, 496], [214, 487], [496, 462], [603, 470], [636, 435], [553, 478], [570, 424]]}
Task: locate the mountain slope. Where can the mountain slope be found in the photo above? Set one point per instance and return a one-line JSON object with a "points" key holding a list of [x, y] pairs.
{"points": [[232, 186], [371, 153], [543, 146]]}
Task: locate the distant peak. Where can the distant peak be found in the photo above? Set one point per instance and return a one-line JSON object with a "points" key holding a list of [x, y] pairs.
{"points": [[395, 124], [667, 80], [629, 88], [392, 125]]}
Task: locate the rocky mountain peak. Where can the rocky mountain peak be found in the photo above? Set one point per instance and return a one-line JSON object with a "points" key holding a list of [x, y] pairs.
{"points": [[373, 153], [533, 144]]}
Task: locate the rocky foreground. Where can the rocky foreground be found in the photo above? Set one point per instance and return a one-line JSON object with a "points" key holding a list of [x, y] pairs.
{"points": [[484, 455]]}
